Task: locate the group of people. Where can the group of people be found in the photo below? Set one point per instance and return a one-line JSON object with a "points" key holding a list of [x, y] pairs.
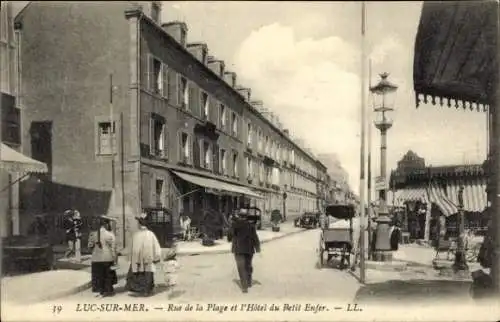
{"points": [[144, 258]]}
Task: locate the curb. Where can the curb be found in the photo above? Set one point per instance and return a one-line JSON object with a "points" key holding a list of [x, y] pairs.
{"points": [[121, 276]]}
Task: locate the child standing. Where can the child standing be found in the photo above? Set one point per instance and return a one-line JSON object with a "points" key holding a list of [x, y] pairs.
{"points": [[170, 269]]}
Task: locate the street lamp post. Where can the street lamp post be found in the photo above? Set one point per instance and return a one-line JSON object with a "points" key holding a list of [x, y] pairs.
{"points": [[460, 261], [382, 104]]}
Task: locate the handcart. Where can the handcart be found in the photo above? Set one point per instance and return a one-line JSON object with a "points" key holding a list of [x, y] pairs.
{"points": [[337, 238]]}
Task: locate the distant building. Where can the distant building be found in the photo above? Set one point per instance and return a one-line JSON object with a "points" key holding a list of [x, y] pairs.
{"points": [[173, 130]]}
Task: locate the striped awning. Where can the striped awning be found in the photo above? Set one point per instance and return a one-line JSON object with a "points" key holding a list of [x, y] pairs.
{"points": [[438, 196], [16, 162], [410, 194], [475, 197]]}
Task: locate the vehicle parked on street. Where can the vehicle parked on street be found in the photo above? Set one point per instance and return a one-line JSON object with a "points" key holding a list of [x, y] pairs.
{"points": [[308, 220], [338, 239], [276, 219]]}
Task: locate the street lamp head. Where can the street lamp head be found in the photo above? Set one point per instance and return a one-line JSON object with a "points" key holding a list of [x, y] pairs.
{"points": [[384, 86], [383, 95]]}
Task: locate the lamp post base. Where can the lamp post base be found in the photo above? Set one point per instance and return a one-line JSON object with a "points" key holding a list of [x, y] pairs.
{"points": [[382, 256], [460, 262]]}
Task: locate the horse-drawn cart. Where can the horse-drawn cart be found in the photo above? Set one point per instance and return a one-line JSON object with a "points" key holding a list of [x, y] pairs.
{"points": [[337, 238]]}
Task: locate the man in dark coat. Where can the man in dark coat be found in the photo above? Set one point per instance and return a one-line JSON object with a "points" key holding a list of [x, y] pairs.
{"points": [[245, 242]]}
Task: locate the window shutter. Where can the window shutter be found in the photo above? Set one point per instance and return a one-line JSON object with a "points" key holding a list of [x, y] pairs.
{"points": [[164, 136], [192, 99], [179, 149], [151, 135], [190, 150], [164, 78], [215, 158], [202, 154], [173, 84]]}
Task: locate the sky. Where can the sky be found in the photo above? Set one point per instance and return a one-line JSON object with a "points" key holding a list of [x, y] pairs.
{"points": [[303, 59]]}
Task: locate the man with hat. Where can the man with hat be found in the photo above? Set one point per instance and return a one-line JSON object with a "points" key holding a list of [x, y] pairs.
{"points": [[104, 256], [245, 242], [73, 224], [144, 255]]}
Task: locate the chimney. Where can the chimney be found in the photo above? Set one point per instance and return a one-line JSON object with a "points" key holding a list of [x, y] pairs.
{"points": [[258, 105], [230, 78], [245, 92], [217, 66], [178, 30], [287, 132], [199, 50]]}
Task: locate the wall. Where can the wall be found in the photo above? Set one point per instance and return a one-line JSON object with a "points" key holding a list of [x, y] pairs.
{"points": [[66, 85]]}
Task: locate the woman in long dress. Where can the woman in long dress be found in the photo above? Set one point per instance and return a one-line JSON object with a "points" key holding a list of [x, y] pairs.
{"points": [[104, 256], [145, 254]]}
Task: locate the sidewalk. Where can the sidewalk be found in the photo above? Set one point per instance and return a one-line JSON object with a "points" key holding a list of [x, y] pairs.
{"points": [[71, 278], [49, 285]]}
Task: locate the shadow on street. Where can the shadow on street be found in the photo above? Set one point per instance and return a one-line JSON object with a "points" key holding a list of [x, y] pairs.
{"points": [[411, 291]]}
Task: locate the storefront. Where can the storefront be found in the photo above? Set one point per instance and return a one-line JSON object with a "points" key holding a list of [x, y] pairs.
{"points": [[456, 64], [201, 196], [14, 168], [432, 192]]}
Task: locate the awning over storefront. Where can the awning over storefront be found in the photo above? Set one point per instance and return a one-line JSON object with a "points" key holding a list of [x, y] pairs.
{"points": [[216, 184], [438, 196], [15, 162], [475, 197], [410, 194], [456, 53]]}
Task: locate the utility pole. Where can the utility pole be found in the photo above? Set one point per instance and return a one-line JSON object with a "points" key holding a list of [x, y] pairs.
{"points": [[112, 131], [362, 185], [369, 167]]}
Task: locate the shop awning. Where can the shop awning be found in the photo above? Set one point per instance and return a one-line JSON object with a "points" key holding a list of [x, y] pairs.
{"points": [[475, 197], [411, 194], [216, 184], [456, 53], [438, 196], [15, 162]]}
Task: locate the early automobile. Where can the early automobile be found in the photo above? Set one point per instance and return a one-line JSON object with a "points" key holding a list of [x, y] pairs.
{"points": [[307, 220]]}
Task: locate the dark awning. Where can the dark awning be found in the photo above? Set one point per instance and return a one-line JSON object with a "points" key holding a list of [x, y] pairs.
{"points": [[456, 53]]}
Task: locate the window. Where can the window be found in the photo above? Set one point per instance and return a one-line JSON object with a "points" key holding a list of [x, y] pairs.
{"points": [[259, 135], [106, 138], [184, 92], [207, 155], [205, 105], [158, 78], [249, 131], [235, 124], [235, 164], [185, 149], [249, 165], [159, 193], [223, 156], [266, 146], [223, 116], [158, 137]]}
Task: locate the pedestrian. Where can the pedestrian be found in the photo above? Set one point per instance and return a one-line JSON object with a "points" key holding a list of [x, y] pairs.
{"points": [[104, 257], [170, 269], [245, 242], [185, 226], [73, 224], [92, 241], [145, 254]]}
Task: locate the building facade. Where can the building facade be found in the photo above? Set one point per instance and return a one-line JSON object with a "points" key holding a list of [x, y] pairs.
{"points": [[10, 123], [129, 116]]}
